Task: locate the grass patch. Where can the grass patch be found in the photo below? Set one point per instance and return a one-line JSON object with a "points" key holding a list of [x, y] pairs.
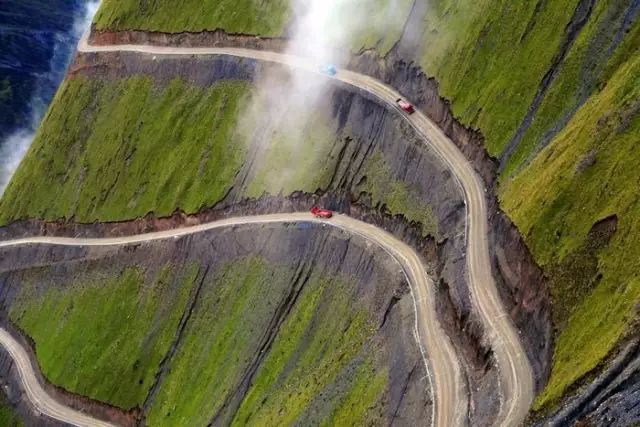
{"points": [[114, 151], [266, 18], [104, 338], [593, 330], [587, 67], [111, 333], [323, 333], [356, 408], [219, 341], [398, 195], [588, 172]]}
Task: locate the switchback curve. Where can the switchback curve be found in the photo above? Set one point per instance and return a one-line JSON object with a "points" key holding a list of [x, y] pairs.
{"points": [[427, 331]]}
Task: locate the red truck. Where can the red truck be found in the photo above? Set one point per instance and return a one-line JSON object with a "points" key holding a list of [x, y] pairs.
{"points": [[405, 106], [319, 212]]}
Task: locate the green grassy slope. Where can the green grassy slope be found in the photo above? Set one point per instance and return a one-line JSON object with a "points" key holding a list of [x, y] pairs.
{"points": [[489, 57], [588, 66], [589, 172], [111, 335], [267, 18], [8, 416], [120, 150], [398, 195], [381, 28], [307, 355]]}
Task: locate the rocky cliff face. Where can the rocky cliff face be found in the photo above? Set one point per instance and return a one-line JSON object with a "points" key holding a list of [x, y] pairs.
{"points": [[611, 398]]}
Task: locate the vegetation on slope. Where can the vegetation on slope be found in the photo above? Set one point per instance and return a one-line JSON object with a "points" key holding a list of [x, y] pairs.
{"points": [[119, 150], [490, 56], [8, 416], [596, 54], [380, 26], [111, 335], [399, 196], [320, 337], [236, 16], [588, 173]]}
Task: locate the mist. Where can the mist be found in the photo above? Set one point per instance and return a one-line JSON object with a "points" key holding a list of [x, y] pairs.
{"points": [[15, 146], [290, 107]]}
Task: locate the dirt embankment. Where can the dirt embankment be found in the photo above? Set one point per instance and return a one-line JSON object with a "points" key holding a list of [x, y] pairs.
{"points": [[217, 38], [308, 250]]}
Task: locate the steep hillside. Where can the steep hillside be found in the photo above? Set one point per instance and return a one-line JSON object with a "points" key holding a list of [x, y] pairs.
{"points": [[550, 87], [374, 24], [157, 143], [574, 91], [578, 206], [251, 326], [152, 178], [343, 149], [245, 16]]}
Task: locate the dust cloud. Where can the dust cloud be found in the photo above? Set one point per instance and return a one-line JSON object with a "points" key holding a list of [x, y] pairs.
{"points": [[284, 116]]}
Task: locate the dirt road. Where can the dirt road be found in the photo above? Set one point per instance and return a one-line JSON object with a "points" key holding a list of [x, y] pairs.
{"points": [[38, 397]]}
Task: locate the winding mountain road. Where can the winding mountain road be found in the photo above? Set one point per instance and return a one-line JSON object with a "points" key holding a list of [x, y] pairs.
{"points": [[451, 395], [445, 375]]}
